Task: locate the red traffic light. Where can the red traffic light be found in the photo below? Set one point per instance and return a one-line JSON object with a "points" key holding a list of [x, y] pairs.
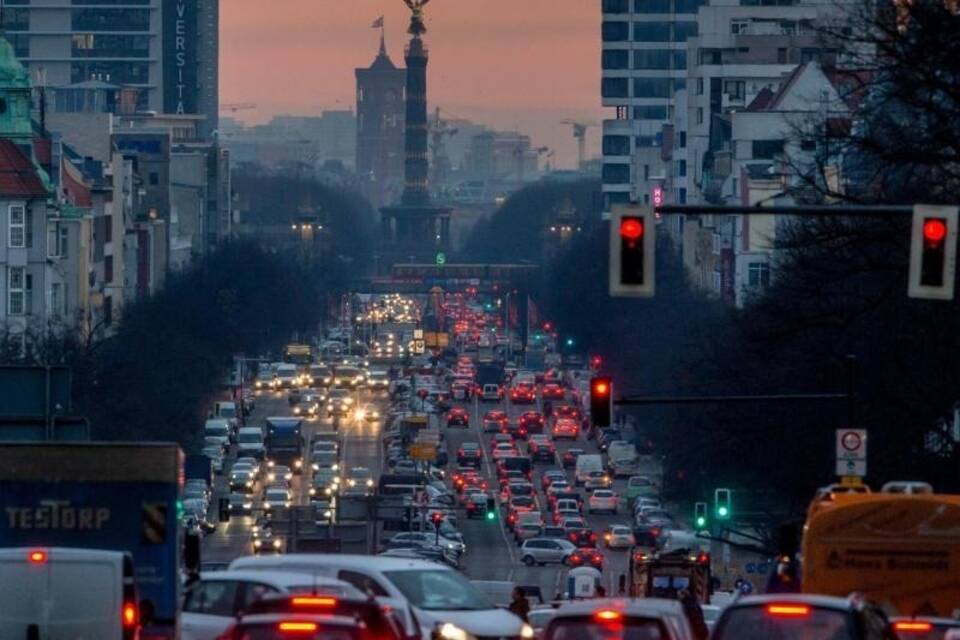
{"points": [[601, 388], [436, 517], [631, 228], [934, 230]]}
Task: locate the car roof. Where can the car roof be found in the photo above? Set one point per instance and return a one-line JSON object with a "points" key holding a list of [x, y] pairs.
{"points": [[280, 579], [630, 607], [305, 561], [821, 602]]}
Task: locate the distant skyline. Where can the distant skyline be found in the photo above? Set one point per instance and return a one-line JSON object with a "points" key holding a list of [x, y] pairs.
{"points": [[510, 64]]}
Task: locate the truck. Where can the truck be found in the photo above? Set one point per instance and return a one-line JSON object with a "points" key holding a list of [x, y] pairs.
{"points": [[665, 574], [284, 442], [106, 495], [198, 466], [301, 354], [622, 459]]}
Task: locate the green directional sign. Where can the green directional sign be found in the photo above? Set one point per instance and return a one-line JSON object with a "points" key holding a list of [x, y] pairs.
{"points": [[441, 257]]}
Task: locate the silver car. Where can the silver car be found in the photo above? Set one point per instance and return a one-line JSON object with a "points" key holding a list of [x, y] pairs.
{"points": [[544, 550]]}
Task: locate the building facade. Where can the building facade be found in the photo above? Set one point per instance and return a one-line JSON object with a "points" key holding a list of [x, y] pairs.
{"points": [[167, 49]]}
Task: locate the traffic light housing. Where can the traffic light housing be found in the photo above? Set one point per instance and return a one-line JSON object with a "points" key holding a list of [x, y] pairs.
{"points": [[700, 519], [491, 509], [722, 507], [632, 244], [436, 518], [601, 401], [933, 252]]}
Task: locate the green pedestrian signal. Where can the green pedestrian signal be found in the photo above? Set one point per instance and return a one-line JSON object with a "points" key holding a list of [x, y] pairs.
{"points": [[721, 504], [700, 516]]}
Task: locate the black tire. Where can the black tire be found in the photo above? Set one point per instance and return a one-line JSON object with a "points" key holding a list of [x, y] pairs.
{"points": [[529, 561]]}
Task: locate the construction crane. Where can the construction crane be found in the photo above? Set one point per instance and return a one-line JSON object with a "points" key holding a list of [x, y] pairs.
{"points": [[580, 133], [233, 107], [439, 129]]}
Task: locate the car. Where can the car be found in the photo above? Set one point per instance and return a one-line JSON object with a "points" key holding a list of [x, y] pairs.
{"points": [[521, 504], [520, 488], [568, 411], [406, 466], [264, 380], [924, 628], [491, 393], [414, 539], [460, 390], [458, 417], [373, 620], [586, 557], [504, 450], [243, 481], [550, 476], [523, 393], [603, 500], [495, 414], [557, 486], [564, 511], [555, 532], [640, 487], [597, 480], [475, 502], [565, 428], [552, 391], [306, 408], [541, 449], [501, 437], [325, 481], [277, 498], [359, 481], [239, 503], [618, 536], [540, 551], [656, 517], [606, 437], [525, 530], [531, 422], [339, 402], [801, 616], [279, 474], [579, 533], [470, 453], [634, 618], [570, 456]]}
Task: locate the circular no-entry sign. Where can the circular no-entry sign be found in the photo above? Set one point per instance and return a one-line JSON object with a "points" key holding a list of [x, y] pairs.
{"points": [[851, 441]]}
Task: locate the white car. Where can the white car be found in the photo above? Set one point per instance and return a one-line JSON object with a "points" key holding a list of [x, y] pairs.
{"points": [[603, 500], [618, 536], [276, 499], [504, 450]]}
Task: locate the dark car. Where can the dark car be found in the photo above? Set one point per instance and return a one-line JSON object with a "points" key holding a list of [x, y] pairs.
{"points": [[543, 451], [570, 458], [580, 534], [458, 417], [470, 453], [532, 421], [586, 557], [567, 411]]}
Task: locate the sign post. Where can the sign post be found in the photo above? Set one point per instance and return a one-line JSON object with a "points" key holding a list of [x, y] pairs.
{"points": [[851, 452]]}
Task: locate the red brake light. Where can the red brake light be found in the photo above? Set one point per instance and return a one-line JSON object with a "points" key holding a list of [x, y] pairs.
{"points": [[788, 610], [314, 601], [639, 557], [37, 557], [608, 615], [912, 626], [298, 627], [703, 558], [129, 614]]}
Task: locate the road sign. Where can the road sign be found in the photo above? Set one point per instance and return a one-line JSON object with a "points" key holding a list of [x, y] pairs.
{"points": [[851, 452], [418, 334], [418, 347], [423, 451], [441, 257]]}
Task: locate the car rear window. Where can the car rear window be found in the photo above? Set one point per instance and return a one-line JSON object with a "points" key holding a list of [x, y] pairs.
{"points": [[590, 629], [790, 621]]}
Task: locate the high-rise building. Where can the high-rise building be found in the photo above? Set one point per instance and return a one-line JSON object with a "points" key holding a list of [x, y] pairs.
{"points": [[644, 61], [168, 49], [380, 126]]}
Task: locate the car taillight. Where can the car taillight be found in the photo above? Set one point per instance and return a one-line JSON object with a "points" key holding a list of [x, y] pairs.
{"points": [[788, 610], [129, 615], [597, 558], [912, 626], [639, 557], [573, 537], [608, 615], [593, 537], [37, 557], [297, 627], [314, 601]]}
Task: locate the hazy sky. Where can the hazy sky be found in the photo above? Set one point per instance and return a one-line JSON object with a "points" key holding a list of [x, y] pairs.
{"points": [[511, 64]]}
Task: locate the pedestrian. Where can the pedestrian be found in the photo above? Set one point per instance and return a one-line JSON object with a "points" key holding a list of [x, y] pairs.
{"points": [[694, 614], [519, 605], [600, 591]]}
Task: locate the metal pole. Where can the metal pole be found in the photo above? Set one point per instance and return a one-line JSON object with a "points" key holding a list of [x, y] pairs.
{"points": [[798, 397], [851, 362], [855, 211]]}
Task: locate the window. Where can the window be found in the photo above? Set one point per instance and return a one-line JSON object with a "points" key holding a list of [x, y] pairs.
{"points": [[682, 194], [365, 583], [758, 274], [651, 59], [651, 87], [650, 112], [618, 173], [699, 115], [616, 6], [111, 20], [214, 597], [682, 139], [253, 591], [647, 141], [733, 187], [651, 31], [699, 86], [615, 31], [63, 234], [16, 277], [615, 59], [710, 56], [767, 149], [28, 294], [651, 6], [89, 45], [620, 197], [687, 6], [738, 27], [107, 311], [614, 88], [679, 84], [616, 145], [56, 295], [108, 269], [684, 30], [17, 233], [808, 145], [108, 228], [735, 89], [680, 60], [682, 168]]}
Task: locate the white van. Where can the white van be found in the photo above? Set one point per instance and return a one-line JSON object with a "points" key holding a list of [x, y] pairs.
{"points": [[219, 429], [212, 603], [250, 442], [436, 594], [228, 411], [287, 376], [56, 593], [585, 464], [622, 459]]}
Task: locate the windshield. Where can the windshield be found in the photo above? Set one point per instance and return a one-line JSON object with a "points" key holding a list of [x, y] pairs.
{"points": [[756, 623], [250, 438], [216, 430], [438, 590]]}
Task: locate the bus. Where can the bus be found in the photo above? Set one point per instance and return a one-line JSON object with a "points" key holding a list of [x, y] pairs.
{"points": [[301, 354], [901, 551]]}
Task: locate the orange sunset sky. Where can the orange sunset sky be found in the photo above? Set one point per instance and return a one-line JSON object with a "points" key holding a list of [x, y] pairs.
{"points": [[511, 64]]}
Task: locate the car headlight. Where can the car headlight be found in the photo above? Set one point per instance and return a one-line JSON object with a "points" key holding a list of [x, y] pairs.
{"points": [[348, 401], [450, 631], [329, 406], [296, 411], [288, 476], [315, 466], [271, 477], [266, 505], [369, 482], [326, 380], [249, 484], [328, 491], [270, 464], [313, 491], [287, 504], [276, 544], [335, 467], [248, 505], [257, 543], [352, 482], [298, 464]]}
